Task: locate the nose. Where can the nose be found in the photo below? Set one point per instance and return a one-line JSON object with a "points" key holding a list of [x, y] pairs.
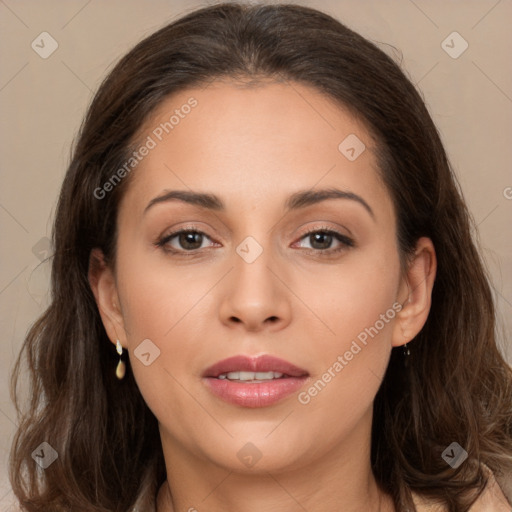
{"points": [[255, 295]]}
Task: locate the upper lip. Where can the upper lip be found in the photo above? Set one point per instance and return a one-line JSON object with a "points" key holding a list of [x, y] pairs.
{"points": [[264, 363]]}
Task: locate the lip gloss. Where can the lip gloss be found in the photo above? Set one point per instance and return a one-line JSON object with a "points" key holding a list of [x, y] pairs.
{"points": [[254, 394]]}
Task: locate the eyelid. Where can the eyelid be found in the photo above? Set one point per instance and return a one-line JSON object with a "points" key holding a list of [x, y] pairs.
{"points": [[329, 229]]}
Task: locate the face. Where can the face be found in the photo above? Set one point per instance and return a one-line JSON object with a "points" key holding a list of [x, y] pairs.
{"points": [[315, 283]]}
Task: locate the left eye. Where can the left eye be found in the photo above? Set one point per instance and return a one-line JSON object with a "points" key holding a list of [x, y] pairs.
{"points": [[191, 240], [324, 237]]}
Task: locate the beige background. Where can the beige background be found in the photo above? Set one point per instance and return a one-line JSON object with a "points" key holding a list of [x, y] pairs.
{"points": [[43, 101]]}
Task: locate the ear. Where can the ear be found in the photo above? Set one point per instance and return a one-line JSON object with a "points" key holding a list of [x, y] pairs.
{"points": [[103, 285], [415, 293]]}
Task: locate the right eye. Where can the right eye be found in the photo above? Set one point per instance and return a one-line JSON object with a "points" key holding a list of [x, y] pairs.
{"points": [[190, 240]]}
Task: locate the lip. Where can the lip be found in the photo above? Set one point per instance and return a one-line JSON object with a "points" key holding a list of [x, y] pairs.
{"points": [[254, 394], [264, 363]]}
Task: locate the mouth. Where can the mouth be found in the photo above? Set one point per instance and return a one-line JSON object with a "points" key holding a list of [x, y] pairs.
{"points": [[252, 377], [254, 381]]}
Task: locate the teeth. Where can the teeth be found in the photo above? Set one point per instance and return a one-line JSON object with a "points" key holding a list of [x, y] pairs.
{"points": [[246, 376]]}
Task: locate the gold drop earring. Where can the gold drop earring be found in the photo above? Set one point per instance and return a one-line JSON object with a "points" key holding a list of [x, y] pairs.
{"points": [[121, 367]]}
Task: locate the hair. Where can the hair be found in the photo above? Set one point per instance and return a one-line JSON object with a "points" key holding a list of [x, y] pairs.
{"points": [[456, 386]]}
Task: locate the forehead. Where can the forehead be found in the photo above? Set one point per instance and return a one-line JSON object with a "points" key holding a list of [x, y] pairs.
{"points": [[249, 144]]}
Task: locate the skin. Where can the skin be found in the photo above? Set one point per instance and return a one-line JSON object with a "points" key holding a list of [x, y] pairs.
{"points": [[253, 147]]}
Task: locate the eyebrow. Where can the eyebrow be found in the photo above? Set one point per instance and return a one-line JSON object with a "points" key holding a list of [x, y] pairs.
{"points": [[296, 201]]}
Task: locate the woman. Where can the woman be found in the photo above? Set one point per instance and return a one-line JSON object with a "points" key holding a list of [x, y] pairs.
{"points": [[197, 355]]}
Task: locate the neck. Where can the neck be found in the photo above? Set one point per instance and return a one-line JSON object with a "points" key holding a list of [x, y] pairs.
{"points": [[376, 501], [340, 479]]}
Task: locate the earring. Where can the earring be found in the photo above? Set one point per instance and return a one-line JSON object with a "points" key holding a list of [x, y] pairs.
{"points": [[407, 353], [121, 367]]}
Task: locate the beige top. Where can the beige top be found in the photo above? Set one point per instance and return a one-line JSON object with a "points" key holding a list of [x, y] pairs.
{"points": [[497, 497]]}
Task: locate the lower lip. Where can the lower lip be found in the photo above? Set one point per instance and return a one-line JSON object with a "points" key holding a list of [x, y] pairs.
{"points": [[254, 394]]}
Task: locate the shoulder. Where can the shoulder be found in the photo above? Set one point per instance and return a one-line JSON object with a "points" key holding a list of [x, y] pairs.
{"points": [[494, 498]]}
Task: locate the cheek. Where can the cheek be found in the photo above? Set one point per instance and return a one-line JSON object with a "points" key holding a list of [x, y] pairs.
{"points": [[157, 308], [153, 297], [359, 305], [353, 295]]}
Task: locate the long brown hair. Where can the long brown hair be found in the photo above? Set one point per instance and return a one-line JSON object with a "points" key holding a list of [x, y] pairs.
{"points": [[456, 386]]}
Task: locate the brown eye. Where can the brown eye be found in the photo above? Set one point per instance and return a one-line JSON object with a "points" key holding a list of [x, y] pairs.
{"points": [[321, 241], [187, 240], [190, 240]]}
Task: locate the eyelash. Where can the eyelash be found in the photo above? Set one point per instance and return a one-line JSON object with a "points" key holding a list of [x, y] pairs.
{"points": [[345, 241]]}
